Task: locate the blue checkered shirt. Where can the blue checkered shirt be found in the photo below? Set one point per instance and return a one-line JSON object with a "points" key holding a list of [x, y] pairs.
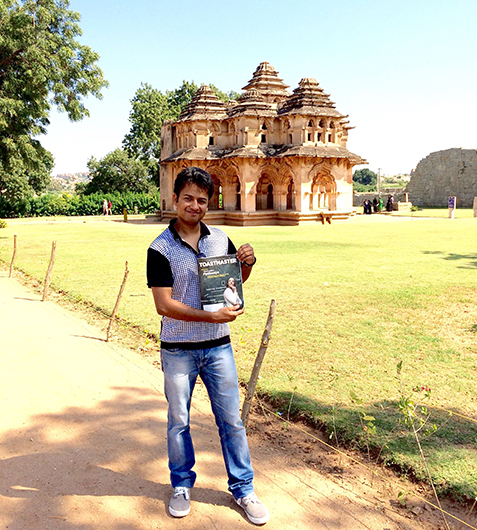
{"points": [[182, 259]]}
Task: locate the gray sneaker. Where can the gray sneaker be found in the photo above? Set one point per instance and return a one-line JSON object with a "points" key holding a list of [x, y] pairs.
{"points": [[179, 505], [256, 511]]}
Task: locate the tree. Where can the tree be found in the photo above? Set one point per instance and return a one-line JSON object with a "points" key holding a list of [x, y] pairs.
{"points": [[117, 172], [365, 180], [19, 179], [179, 98], [231, 95], [150, 108], [41, 64]]}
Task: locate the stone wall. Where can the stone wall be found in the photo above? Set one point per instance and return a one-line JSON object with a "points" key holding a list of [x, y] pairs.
{"points": [[443, 174]]}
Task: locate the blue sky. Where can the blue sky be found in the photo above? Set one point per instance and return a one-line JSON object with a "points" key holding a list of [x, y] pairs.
{"points": [[404, 71]]}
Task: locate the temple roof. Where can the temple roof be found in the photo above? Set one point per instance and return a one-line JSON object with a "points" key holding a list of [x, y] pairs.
{"points": [[251, 103], [320, 151], [265, 79], [309, 99], [266, 151], [204, 105]]}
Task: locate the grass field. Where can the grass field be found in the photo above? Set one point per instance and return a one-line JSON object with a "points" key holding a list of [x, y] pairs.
{"points": [[442, 213], [354, 298]]}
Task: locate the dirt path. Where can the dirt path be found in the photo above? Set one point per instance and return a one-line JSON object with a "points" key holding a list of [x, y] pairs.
{"points": [[82, 443]]}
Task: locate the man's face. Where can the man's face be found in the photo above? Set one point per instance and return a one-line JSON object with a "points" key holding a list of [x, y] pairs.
{"points": [[192, 204]]}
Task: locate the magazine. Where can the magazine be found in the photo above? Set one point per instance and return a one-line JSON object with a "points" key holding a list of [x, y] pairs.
{"points": [[220, 280]]}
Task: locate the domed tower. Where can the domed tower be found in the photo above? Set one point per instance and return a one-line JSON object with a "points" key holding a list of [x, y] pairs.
{"points": [[314, 117], [265, 79], [197, 127], [194, 136], [205, 105]]}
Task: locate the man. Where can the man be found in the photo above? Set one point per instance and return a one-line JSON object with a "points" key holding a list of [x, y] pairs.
{"points": [[196, 342]]}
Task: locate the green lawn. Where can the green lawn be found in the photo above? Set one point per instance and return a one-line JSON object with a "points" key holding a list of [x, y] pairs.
{"points": [[459, 213], [353, 299]]}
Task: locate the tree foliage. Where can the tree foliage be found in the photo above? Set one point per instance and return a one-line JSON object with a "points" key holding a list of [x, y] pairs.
{"points": [[117, 172], [231, 95], [41, 64], [150, 109], [365, 180]]}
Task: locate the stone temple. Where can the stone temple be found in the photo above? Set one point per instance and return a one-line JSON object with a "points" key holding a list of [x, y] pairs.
{"points": [[444, 174], [275, 157]]}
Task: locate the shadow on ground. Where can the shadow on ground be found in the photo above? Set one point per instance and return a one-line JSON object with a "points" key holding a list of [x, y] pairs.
{"points": [[470, 258], [447, 437]]}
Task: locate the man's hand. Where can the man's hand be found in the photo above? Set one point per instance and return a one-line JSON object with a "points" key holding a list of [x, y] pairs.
{"points": [[226, 314], [167, 306], [245, 253]]}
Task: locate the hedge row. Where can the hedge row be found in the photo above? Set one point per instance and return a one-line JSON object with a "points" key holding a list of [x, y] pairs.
{"points": [[71, 205]]}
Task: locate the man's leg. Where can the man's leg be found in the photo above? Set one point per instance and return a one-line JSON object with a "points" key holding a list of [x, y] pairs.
{"points": [[219, 374], [180, 374]]}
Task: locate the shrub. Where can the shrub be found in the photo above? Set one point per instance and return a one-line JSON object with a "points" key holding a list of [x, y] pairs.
{"points": [[72, 205], [3, 224]]}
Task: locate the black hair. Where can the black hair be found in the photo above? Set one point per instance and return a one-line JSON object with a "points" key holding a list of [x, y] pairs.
{"points": [[194, 175]]}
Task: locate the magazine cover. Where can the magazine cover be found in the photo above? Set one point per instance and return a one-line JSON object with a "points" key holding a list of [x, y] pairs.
{"points": [[220, 282]]}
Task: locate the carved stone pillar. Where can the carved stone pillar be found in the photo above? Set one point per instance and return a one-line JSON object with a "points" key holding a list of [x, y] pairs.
{"points": [[305, 194], [248, 190]]}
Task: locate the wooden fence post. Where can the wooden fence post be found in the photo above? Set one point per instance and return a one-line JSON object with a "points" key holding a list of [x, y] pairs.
{"points": [[14, 255], [48, 272], [115, 310], [258, 364]]}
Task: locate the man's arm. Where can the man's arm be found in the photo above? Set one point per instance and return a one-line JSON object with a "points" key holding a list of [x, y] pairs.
{"points": [[167, 306], [246, 255]]}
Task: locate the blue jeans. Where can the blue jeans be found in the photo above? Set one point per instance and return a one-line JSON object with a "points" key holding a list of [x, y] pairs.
{"points": [[216, 367]]}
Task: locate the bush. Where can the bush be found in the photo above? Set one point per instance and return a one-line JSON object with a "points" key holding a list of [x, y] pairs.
{"points": [[3, 224], [73, 205], [365, 177]]}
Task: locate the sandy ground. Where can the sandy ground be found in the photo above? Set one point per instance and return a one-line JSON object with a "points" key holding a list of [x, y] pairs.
{"points": [[82, 443]]}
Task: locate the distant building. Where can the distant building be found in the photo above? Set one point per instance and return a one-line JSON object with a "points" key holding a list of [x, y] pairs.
{"points": [[275, 158]]}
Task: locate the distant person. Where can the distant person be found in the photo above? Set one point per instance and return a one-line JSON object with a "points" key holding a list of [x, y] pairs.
{"points": [[105, 207], [367, 207], [110, 208], [390, 204], [231, 295], [381, 204], [375, 204]]}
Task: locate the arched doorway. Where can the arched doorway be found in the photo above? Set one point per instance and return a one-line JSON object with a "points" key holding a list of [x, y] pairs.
{"points": [[270, 197], [291, 195], [264, 195], [238, 197], [216, 202], [323, 192]]}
